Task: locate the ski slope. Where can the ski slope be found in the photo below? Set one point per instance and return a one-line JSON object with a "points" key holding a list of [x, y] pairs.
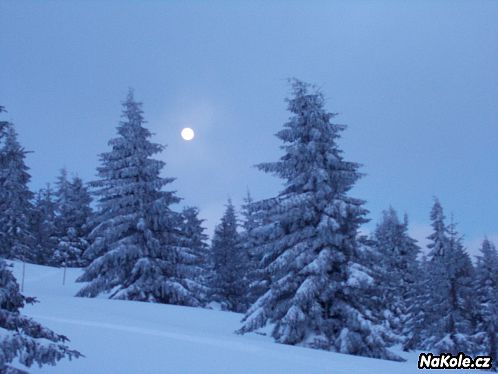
{"points": [[127, 337]]}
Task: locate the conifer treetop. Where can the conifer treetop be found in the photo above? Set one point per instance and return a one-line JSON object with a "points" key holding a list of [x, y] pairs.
{"points": [[312, 157]]}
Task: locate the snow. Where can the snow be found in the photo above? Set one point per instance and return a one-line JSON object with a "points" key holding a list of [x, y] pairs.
{"points": [[128, 337], [357, 276]]}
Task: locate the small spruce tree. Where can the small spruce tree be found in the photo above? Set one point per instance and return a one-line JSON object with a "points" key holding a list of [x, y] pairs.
{"points": [[72, 220], [446, 323], [398, 267], [22, 338], [486, 297], [255, 279], [43, 225], [229, 263], [194, 238]]}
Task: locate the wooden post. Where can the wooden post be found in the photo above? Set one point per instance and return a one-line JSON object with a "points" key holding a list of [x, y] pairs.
{"points": [[23, 273], [64, 276]]}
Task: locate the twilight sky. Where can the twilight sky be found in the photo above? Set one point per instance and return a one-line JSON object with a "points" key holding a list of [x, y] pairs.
{"points": [[415, 81]]}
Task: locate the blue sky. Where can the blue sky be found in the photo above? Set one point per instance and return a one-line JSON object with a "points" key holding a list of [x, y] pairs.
{"points": [[416, 83]]}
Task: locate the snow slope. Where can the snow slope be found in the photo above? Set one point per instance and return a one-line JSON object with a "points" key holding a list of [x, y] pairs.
{"points": [[128, 337]]}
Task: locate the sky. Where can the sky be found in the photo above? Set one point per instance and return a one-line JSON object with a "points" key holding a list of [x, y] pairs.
{"points": [[416, 83]]}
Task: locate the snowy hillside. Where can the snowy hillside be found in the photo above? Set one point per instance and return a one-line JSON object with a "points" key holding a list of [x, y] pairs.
{"points": [[134, 337]]}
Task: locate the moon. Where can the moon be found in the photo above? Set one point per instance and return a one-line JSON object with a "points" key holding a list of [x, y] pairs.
{"points": [[187, 134]]}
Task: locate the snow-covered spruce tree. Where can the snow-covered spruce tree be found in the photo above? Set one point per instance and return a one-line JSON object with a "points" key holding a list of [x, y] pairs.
{"points": [[486, 297], [249, 220], [249, 223], [21, 338], [424, 315], [447, 325], [414, 327], [81, 214], [464, 285], [398, 267], [16, 238], [43, 225], [136, 241], [3, 124], [229, 263], [73, 213], [255, 279], [65, 253], [194, 238], [318, 296]]}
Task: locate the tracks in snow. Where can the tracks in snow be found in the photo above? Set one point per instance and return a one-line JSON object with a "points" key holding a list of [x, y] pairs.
{"points": [[210, 341]]}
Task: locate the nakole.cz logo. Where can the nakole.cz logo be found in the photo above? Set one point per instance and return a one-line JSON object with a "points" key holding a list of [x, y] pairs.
{"points": [[448, 361]]}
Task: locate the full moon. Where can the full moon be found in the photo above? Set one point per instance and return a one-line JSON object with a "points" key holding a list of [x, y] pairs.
{"points": [[187, 133]]}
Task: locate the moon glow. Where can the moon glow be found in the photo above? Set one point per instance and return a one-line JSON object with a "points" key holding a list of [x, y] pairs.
{"points": [[187, 134]]}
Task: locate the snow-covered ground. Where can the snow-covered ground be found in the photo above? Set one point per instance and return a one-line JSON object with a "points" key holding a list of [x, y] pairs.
{"points": [[133, 337]]}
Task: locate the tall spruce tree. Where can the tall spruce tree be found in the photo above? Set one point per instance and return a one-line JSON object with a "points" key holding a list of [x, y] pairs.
{"points": [[230, 261], [21, 338], [16, 238], [486, 297], [318, 293], [136, 242], [398, 267]]}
